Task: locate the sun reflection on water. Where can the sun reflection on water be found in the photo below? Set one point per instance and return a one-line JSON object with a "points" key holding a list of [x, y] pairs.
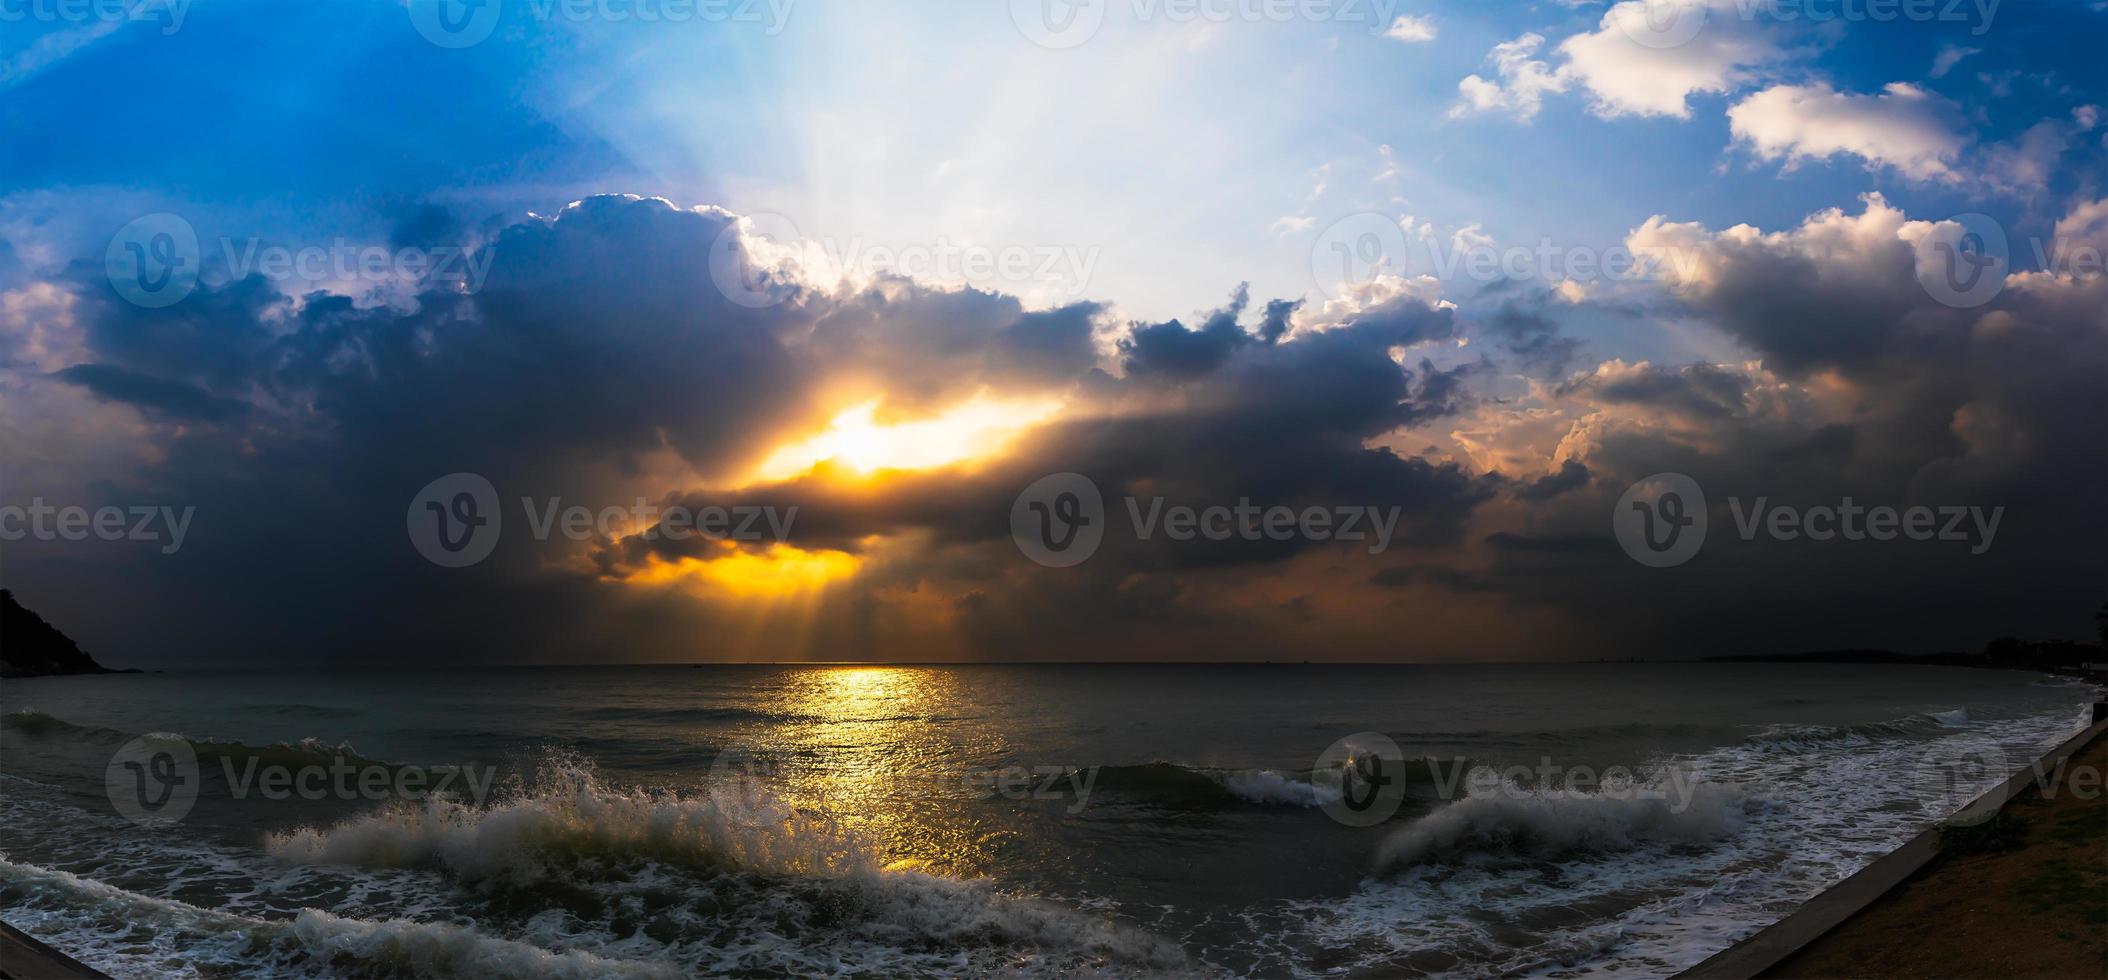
{"points": [[877, 748]]}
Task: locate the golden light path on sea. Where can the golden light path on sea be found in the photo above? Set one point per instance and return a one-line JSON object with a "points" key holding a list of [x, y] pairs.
{"points": [[886, 752]]}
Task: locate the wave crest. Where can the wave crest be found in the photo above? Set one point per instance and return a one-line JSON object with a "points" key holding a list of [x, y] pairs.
{"points": [[1553, 825], [570, 817]]}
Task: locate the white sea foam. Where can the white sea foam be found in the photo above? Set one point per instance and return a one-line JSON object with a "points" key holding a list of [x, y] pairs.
{"points": [[1554, 824], [1269, 787], [125, 933], [1656, 892], [760, 886], [570, 817]]}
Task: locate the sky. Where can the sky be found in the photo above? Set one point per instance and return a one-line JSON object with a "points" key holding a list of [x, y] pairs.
{"points": [[1490, 277]]}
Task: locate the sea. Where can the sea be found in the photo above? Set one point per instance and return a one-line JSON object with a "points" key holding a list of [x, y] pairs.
{"points": [[1566, 820]]}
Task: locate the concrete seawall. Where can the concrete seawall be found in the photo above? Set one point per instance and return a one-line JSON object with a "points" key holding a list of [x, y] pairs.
{"points": [[22, 957], [1769, 947]]}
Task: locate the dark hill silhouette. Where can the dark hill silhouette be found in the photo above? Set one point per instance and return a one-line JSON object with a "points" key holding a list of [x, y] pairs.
{"points": [[31, 647]]}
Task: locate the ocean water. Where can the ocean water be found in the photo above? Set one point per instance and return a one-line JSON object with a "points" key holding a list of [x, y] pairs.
{"points": [[1563, 820]]}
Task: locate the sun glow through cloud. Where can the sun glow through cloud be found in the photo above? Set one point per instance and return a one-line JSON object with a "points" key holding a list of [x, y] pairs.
{"points": [[781, 572], [856, 439]]}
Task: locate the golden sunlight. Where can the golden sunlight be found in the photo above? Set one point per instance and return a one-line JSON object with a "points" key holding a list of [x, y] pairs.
{"points": [[976, 428], [779, 572]]}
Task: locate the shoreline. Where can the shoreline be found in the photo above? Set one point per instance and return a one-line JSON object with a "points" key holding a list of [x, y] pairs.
{"points": [[24, 957], [1789, 947], [2052, 728]]}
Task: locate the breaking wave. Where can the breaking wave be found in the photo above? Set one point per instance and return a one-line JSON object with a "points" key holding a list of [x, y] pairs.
{"points": [[1269, 787], [293, 755], [1552, 825], [125, 932], [748, 883], [1175, 786], [40, 725], [1815, 738], [568, 818]]}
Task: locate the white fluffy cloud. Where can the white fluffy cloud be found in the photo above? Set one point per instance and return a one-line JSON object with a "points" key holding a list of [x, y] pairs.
{"points": [[1522, 81], [1645, 58], [1648, 57], [1411, 29], [1905, 127]]}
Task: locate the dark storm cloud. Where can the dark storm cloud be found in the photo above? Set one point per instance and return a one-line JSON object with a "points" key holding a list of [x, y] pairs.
{"points": [[2001, 406], [599, 349], [1525, 330], [1171, 349], [1571, 476], [925, 347], [1699, 390], [171, 398], [1278, 424], [599, 342]]}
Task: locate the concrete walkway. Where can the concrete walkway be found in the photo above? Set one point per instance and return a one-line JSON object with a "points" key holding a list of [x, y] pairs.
{"points": [[1753, 956]]}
